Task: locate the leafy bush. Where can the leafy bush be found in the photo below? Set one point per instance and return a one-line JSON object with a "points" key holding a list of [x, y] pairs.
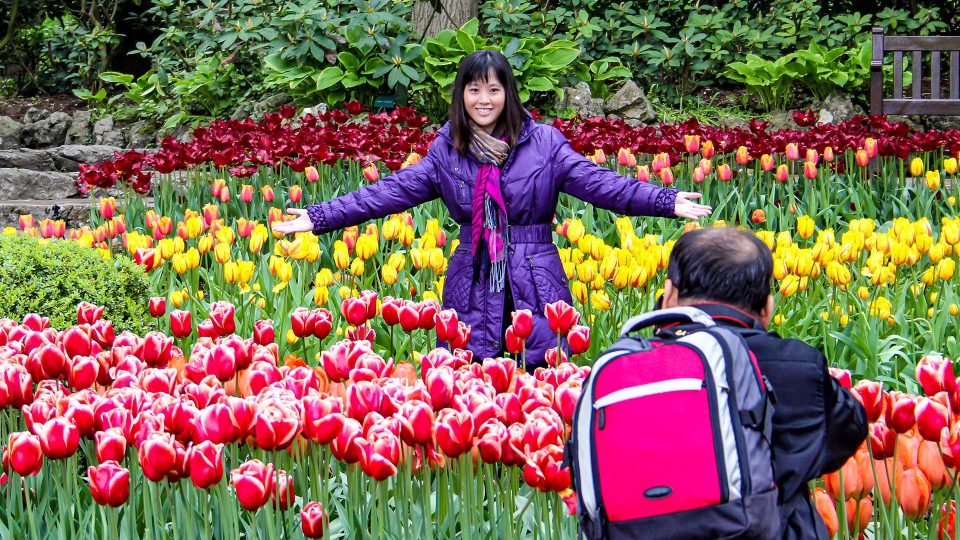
{"points": [[538, 65], [51, 277]]}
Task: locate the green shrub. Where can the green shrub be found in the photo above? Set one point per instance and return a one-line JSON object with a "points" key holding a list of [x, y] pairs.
{"points": [[51, 277]]}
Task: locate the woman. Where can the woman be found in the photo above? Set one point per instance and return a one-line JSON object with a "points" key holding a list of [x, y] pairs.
{"points": [[500, 174]]}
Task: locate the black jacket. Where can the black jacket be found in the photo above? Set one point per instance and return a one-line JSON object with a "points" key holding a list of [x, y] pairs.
{"points": [[817, 424]]}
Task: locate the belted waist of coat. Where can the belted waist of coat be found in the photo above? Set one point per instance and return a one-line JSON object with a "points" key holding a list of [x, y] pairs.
{"points": [[539, 233]]}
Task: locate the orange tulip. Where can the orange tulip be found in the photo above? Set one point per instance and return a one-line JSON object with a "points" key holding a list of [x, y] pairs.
{"points": [[884, 480], [854, 486], [405, 371], [827, 510], [863, 159], [930, 462], [907, 448], [692, 143], [859, 515], [767, 163], [913, 493]]}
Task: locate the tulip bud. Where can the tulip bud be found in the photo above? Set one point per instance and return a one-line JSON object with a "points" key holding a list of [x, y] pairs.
{"points": [[311, 174], [180, 324], [913, 493], [313, 519], [158, 306], [111, 444], [724, 173], [109, 484], [254, 483], [23, 453], [916, 166], [206, 464], [296, 193], [579, 339], [371, 173]]}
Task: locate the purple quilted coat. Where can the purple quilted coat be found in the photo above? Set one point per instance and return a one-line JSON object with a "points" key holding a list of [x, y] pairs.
{"points": [[542, 165]]}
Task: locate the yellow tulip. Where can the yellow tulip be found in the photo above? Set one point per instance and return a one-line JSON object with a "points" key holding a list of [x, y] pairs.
{"points": [[321, 295], [435, 260], [579, 291], [929, 275], [805, 226], [222, 253], [391, 229], [946, 269], [205, 244], [344, 292], [570, 269], [406, 235], [950, 165], [789, 285], [598, 283], [881, 308], [341, 258], [428, 241], [389, 274], [933, 179], [180, 263], [418, 258], [621, 277], [397, 261], [784, 239], [608, 266], [587, 270], [780, 270], [177, 298], [257, 238], [357, 267], [575, 231], [367, 246], [937, 252], [916, 167], [246, 269], [600, 301], [767, 238], [230, 272], [954, 310], [951, 232]]}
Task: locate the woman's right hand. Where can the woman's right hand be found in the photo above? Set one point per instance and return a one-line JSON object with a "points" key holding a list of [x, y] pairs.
{"points": [[301, 224]]}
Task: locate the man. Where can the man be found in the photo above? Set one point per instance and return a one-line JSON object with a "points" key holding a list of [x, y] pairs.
{"points": [[817, 424]]}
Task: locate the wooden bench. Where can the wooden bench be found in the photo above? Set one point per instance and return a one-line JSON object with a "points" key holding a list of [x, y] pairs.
{"points": [[926, 97]]}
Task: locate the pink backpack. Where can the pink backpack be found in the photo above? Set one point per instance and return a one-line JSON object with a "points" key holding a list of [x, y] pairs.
{"points": [[671, 439]]}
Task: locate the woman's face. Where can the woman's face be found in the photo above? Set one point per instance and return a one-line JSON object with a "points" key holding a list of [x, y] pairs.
{"points": [[484, 101]]}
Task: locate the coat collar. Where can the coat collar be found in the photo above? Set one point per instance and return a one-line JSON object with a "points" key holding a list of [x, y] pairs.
{"points": [[728, 315]]}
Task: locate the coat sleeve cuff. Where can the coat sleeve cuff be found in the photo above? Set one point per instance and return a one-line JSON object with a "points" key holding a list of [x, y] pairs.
{"points": [[318, 218], [665, 203]]}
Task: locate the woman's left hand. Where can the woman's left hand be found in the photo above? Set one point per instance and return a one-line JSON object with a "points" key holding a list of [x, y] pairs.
{"points": [[685, 207]]}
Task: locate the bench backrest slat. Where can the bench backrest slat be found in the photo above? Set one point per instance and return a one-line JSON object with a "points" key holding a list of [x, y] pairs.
{"points": [[935, 75], [954, 74], [898, 75], [935, 102], [917, 74]]}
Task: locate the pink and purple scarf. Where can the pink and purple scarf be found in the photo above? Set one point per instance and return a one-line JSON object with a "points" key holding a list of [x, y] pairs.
{"points": [[489, 221]]}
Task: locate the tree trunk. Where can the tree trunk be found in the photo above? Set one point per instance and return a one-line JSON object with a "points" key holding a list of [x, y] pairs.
{"points": [[432, 16]]}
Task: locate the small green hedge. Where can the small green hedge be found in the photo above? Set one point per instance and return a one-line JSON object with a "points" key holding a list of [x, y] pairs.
{"points": [[51, 277]]}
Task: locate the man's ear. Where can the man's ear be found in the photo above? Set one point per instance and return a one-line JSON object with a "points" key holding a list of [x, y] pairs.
{"points": [[766, 314], [670, 295]]}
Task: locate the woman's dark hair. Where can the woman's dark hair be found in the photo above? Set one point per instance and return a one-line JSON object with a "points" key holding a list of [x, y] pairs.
{"points": [[477, 67], [722, 265]]}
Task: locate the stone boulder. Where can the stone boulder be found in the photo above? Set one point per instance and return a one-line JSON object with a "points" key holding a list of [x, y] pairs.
{"points": [[50, 131], [10, 131], [25, 158], [69, 157], [581, 100], [141, 135], [781, 120], [79, 132], [837, 107], [34, 115], [106, 133], [18, 184], [268, 104], [631, 104]]}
